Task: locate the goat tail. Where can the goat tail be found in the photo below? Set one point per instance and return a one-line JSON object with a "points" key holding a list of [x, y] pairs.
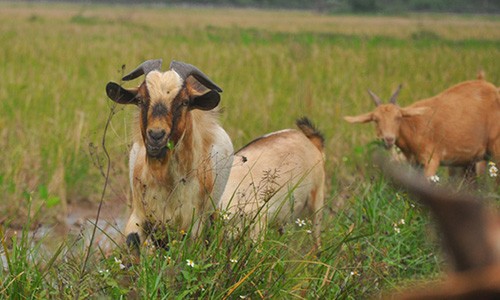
{"points": [[311, 132]]}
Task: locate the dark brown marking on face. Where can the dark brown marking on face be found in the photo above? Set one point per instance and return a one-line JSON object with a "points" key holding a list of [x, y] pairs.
{"points": [[159, 110], [144, 100], [179, 115], [186, 162]]}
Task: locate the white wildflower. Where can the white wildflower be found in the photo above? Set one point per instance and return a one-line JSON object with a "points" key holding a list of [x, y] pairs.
{"points": [[434, 178], [190, 263], [309, 231], [396, 228], [119, 261], [402, 222], [225, 215], [493, 170], [300, 222], [233, 260]]}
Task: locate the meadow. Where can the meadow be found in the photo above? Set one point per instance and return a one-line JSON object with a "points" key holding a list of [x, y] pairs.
{"points": [[59, 134]]}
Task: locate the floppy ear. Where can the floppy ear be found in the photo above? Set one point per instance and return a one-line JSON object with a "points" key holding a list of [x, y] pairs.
{"points": [[120, 95], [414, 111], [207, 101], [368, 117]]}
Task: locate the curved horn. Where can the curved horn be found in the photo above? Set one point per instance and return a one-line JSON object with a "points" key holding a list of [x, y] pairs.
{"points": [[185, 70], [395, 95], [375, 98], [144, 69]]}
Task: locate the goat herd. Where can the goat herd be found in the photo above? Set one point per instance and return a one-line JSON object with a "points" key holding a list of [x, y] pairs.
{"points": [[183, 167]]}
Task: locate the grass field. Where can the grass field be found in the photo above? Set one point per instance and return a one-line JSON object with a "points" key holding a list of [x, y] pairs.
{"points": [[274, 66]]}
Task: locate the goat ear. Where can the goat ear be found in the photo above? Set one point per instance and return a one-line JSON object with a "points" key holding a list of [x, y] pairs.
{"points": [[414, 111], [368, 117], [207, 101], [120, 95]]}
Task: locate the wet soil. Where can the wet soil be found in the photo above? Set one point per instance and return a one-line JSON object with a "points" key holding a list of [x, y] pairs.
{"points": [[75, 229]]}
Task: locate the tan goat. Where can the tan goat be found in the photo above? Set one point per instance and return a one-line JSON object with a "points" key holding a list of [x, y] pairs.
{"points": [[470, 230], [181, 157], [458, 127], [277, 178]]}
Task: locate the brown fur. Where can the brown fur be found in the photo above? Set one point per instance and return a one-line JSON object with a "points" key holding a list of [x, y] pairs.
{"points": [[457, 127], [312, 133]]}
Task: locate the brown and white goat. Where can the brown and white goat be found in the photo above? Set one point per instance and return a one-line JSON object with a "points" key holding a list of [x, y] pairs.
{"points": [[181, 157], [470, 230], [275, 179], [458, 127]]}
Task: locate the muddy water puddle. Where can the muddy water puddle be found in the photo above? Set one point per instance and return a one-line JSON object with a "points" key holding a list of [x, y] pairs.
{"points": [[75, 231]]}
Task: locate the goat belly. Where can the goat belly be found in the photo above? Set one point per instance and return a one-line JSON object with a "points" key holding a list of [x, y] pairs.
{"points": [[462, 156]]}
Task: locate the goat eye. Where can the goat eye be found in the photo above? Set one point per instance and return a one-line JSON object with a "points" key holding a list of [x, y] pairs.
{"points": [[185, 103]]}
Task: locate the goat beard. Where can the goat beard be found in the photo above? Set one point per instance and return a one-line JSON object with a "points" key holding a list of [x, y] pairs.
{"points": [[158, 153], [388, 147]]}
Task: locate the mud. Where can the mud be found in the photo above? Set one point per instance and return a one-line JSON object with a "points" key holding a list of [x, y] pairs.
{"points": [[75, 230]]}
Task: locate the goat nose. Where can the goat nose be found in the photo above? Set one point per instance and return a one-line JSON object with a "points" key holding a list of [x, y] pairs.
{"points": [[156, 135], [389, 141]]}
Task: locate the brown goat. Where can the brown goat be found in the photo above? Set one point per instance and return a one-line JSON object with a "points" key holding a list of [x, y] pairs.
{"points": [[458, 127], [277, 178], [181, 157], [471, 236]]}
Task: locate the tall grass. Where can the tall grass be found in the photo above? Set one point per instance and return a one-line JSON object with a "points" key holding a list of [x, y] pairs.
{"points": [[274, 67]]}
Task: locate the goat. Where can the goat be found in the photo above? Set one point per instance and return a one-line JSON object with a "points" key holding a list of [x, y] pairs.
{"points": [[181, 157], [275, 178], [471, 171], [458, 127], [471, 238]]}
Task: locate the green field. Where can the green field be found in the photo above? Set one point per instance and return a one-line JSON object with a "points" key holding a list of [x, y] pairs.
{"points": [[274, 67]]}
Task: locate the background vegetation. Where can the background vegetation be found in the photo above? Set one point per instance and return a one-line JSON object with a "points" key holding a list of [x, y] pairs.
{"points": [[274, 67], [334, 6]]}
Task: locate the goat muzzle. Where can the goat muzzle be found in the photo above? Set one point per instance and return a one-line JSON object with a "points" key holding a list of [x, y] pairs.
{"points": [[156, 152], [156, 143], [389, 142]]}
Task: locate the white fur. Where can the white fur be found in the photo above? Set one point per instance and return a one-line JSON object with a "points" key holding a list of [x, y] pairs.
{"points": [[275, 181], [134, 152], [163, 85], [171, 193], [222, 160]]}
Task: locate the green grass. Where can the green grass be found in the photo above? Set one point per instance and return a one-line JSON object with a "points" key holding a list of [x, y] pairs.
{"points": [[274, 67]]}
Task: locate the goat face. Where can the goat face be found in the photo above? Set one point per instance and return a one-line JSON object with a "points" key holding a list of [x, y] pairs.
{"points": [[165, 100], [162, 107], [387, 117]]}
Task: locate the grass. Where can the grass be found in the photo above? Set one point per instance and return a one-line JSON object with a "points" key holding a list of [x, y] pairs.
{"points": [[274, 67]]}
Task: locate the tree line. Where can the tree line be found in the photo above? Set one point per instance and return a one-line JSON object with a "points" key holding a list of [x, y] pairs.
{"points": [[336, 6]]}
